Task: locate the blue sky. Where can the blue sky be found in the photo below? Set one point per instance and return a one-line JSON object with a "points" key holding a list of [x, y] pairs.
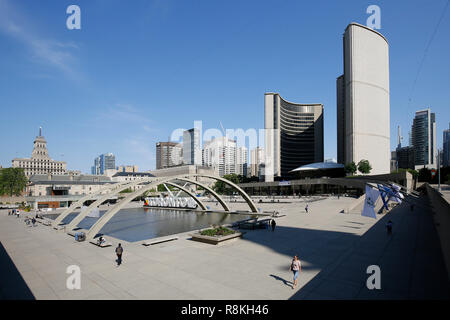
{"points": [[139, 69]]}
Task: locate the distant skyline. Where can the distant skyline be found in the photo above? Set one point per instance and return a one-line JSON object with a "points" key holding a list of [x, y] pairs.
{"points": [[136, 72]]}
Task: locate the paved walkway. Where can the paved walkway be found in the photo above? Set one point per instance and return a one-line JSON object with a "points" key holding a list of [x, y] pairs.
{"points": [[335, 250]]}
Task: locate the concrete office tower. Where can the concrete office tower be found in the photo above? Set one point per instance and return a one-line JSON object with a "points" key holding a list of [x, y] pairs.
{"points": [[95, 169], [40, 162], [220, 154], [446, 148], [294, 135], [363, 107], [241, 161], [168, 154], [192, 152], [103, 162], [423, 134], [405, 157], [256, 160]]}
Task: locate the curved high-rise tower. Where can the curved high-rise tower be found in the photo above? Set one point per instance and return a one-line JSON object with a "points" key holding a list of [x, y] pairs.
{"points": [[363, 107], [294, 135]]}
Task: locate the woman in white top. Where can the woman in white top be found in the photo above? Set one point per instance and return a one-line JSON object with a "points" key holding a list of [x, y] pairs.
{"points": [[296, 267]]}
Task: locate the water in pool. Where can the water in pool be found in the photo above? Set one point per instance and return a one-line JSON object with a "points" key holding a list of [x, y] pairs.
{"points": [[136, 224]]}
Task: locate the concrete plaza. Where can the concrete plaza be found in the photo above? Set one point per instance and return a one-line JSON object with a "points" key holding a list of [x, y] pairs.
{"points": [[335, 250]]}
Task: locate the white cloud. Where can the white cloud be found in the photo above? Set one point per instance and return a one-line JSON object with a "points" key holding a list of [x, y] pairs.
{"points": [[42, 49], [126, 114]]}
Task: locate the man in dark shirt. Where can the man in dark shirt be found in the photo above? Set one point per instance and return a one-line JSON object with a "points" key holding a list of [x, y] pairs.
{"points": [[119, 251]]}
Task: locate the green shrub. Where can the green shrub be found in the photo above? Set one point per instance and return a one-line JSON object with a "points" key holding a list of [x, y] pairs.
{"points": [[220, 231]]}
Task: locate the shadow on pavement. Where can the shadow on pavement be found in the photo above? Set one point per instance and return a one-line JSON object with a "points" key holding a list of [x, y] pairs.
{"points": [[288, 283], [12, 285], [410, 259]]}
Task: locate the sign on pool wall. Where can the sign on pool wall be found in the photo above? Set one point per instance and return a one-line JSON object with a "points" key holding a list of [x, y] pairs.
{"points": [[171, 202]]}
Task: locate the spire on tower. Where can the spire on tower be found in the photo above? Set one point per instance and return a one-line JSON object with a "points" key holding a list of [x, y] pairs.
{"points": [[40, 131]]}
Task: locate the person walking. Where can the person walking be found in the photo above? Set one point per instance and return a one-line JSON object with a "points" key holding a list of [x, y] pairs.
{"points": [[306, 208], [273, 224], [119, 251], [296, 268], [389, 227]]}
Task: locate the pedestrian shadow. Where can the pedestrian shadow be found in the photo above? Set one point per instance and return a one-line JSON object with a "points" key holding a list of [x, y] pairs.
{"points": [[288, 283]]}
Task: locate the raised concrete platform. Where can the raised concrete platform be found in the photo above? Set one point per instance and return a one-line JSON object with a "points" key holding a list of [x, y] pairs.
{"points": [[335, 250]]}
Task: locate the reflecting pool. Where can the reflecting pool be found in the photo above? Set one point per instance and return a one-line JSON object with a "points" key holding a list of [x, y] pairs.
{"points": [[136, 224]]}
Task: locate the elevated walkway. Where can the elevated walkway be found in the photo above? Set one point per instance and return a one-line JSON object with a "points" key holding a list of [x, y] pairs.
{"points": [[440, 204], [410, 261]]}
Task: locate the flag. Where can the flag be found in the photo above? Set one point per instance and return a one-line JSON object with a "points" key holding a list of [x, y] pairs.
{"points": [[397, 195], [370, 201]]}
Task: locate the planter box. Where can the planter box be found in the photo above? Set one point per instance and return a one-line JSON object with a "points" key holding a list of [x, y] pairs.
{"points": [[216, 239]]}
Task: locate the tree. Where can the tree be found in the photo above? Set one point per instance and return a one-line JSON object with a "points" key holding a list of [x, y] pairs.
{"points": [[414, 173], [161, 188], [127, 190], [221, 187], [350, 168], [12, 181], [424, 175], [364, 166]]}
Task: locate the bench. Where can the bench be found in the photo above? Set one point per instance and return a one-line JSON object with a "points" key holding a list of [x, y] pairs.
{"points": [[254, 224], [273, 213], [102, 245], [238, 224], [158, 240], [45, 222], [74, 232], [263, 221]]}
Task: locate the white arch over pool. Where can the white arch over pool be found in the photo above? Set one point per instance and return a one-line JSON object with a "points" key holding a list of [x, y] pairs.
{"points": [[74, 223], [123, 186], [215, 195], [80, 202], [95, 229], [200, 203]]}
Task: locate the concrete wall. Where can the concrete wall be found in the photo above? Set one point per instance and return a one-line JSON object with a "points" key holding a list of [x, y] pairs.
{"points": [[12, 200], [75, 189], [441, 217]]}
